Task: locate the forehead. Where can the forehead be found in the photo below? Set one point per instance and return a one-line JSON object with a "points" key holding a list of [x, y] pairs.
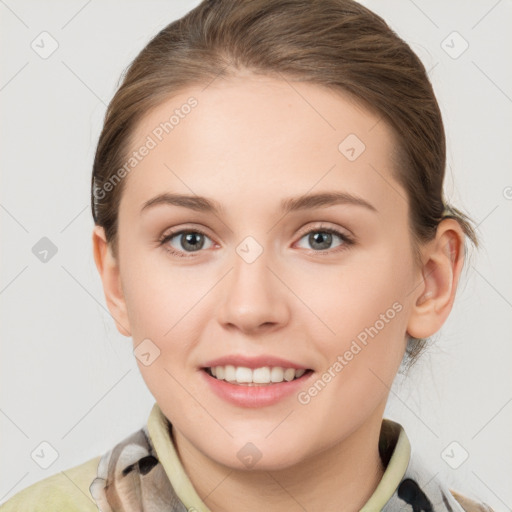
{"points": [[272, 137]]}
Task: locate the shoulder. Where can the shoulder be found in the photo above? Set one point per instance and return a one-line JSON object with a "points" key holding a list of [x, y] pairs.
{"points": [[470, 505], [65, 491]]}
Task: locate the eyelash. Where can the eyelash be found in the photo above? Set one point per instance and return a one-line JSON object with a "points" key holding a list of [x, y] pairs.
{"points": [[347, 241]]}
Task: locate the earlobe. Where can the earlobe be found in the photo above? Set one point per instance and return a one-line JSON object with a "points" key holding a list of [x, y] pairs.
{"points": [[440, 275], [108, 269]]}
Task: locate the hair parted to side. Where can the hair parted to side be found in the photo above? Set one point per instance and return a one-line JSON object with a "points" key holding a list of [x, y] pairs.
{"points": [[339, 44]]}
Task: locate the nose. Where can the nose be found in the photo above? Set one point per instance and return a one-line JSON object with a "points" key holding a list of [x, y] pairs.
{"points": [[254, 298]]}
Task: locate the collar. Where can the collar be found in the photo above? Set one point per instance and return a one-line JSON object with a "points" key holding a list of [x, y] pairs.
{"points": [[144, 472]]}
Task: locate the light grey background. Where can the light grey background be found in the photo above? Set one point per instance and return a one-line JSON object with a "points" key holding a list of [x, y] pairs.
{"points": [[69, 378]]}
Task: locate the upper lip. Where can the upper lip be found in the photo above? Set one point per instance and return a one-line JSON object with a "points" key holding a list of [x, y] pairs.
{"points": [[253, 362]]}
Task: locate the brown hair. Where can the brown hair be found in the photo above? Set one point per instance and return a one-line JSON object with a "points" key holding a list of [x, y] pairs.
{"points": [[338, 44]]}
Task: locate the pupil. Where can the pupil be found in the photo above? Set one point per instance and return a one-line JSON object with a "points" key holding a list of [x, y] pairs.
{"points": [[321, 237], [189, 240]]}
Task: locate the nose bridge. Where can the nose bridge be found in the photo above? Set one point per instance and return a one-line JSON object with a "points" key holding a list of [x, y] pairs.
{"points": [[254, 296]]}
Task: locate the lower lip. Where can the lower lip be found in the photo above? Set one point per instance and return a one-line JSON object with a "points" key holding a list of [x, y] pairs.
{"points": [[255, 396]]}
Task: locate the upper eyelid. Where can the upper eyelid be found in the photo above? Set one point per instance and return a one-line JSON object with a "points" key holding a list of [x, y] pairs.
{"points": [[342, 231], [304, 230]]}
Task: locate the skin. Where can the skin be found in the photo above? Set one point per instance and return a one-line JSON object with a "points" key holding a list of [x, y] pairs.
{"points": [[251, 142]]}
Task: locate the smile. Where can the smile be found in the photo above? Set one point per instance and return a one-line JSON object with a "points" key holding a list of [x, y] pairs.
{"points": [[265, 375]]}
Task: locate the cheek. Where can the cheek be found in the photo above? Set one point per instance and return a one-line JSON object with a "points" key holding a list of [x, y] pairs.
{"points": [[364, 357], [166, 310], [366, 291], [366, 310], [158, 295]]}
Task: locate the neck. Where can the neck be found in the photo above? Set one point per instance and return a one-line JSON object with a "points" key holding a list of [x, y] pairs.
{"points": [[341, 478]]}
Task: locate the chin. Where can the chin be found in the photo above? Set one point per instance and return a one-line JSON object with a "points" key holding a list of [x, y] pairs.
{"points": [[256, 456], [260, 464]]}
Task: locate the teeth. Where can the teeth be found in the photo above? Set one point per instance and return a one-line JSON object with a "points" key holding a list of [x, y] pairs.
{"points": [[229, 372], [261, 375], [243, 374], [289, 374], [277, 374], [264, 375]]}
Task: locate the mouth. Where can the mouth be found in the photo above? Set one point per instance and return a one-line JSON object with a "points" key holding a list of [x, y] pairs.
{"points": [[263, 376]]}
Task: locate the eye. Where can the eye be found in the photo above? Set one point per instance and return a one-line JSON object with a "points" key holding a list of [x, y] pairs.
{"points": [[184, 241], [322, 238]]}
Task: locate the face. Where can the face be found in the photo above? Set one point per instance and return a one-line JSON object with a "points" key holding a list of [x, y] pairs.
{"points": [[323, 287]]}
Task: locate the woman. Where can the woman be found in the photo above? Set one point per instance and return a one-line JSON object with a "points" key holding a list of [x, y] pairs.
{"points": [[271, 231]]}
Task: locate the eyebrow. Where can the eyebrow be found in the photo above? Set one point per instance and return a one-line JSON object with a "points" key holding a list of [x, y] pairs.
{"points": [[305, 202]]}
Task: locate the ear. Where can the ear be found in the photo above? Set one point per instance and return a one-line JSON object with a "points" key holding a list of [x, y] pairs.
{"points": [[443, 261], [108, 268]]}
